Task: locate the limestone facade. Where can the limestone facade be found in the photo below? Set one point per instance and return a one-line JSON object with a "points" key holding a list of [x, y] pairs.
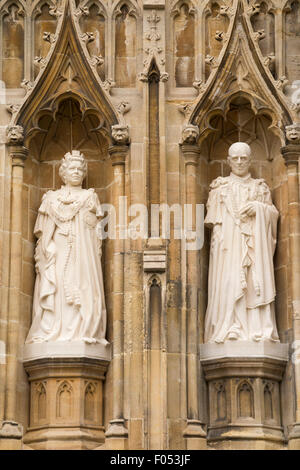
{"points": [[153, 93]]}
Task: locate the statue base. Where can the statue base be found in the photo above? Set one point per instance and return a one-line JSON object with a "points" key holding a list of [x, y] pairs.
{"points": [[294, 437], [244, 398], [116, 435], [195, 435], [66, 394], [11, 434]]}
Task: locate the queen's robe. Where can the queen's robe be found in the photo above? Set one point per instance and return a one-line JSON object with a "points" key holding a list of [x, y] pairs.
{"points": [[68, 302], [241, 286]]}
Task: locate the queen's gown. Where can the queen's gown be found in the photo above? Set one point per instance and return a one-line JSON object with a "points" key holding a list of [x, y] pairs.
{"points": [[68, 302]]}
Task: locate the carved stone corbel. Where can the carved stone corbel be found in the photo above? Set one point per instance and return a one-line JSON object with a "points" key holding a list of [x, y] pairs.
{"points": [[190, 134], [15, 140], [120, 134], [292, 133], [15, 135]]}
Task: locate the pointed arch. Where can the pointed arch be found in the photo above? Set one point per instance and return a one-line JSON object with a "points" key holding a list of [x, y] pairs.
{"points": [[216, 26], [12, 43], [220, 393], [241, 73], [125, 26], [184, 42], [92, 17], [154, 279], [41, 400], [67, 74], [64, 400], [291, 25], [245, 400], [90, 404], [263, 19], [43, 21], [268, 401], [217, 21], [155, 311], [5, 4], [132, 5]]}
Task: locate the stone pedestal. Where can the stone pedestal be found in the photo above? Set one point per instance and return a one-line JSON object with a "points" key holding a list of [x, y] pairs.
{"points": [[66, 394], [244, 393], [11, 434]]}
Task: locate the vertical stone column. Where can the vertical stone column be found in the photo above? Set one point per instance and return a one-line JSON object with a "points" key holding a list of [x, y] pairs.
{"points": [[11, 431], [117, 433], [194, 432], [291, 154]]}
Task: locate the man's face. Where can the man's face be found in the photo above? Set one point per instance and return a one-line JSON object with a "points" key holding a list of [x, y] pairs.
{"points": [[239, 162], [74, 174], [293, 133]]}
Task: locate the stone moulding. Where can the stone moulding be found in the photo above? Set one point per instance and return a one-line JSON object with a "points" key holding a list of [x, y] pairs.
{"points": [[244, 393], [155, 260]]}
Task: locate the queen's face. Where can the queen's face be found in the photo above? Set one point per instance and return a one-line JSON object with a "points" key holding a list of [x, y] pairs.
{"points": [[239, 162], [74, 174]]}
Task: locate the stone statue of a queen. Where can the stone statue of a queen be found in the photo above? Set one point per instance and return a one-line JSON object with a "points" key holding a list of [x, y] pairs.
{"points": [[68, 302], [241, 287]]}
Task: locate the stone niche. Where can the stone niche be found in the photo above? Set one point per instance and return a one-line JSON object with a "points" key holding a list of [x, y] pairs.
{"points": [[81, 379], [242, 124], [12, 46], [244, 381], [244, 393]]}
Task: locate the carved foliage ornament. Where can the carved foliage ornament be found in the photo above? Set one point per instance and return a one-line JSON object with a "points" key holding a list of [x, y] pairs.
{"points": [[154, 37], [123, 107], [185, 109], [56, 9]]}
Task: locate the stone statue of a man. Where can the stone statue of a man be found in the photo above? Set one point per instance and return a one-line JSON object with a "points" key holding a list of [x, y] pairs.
{"points": [[68, 300], [241, 287]]}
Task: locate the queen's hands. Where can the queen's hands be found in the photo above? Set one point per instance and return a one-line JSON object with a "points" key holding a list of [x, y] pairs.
{"points": [[248, 210]]}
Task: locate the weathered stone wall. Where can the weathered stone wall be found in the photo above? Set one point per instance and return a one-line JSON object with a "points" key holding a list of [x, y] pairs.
{"points": [[71, 70]]}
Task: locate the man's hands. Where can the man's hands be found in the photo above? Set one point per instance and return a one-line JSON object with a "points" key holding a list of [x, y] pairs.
{"points": [[248, 210]]}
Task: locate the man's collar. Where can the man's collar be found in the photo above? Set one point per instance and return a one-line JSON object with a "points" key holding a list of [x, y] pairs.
{"points": [[241, 179]]}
